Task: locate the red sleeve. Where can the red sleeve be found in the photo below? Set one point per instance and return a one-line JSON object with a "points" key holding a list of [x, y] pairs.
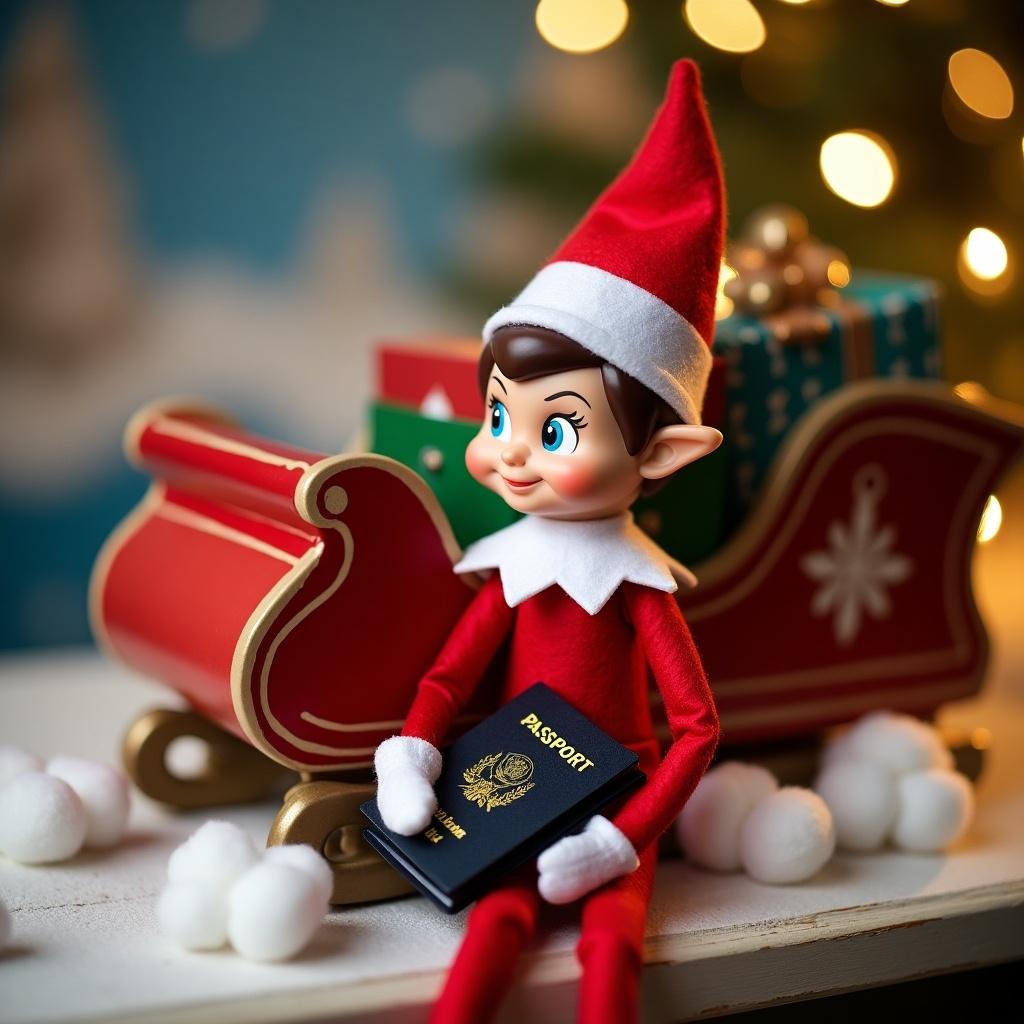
{"points": [[692, 717], [463, 660]]}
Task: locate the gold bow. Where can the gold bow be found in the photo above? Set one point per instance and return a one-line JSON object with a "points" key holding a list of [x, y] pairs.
{"points": [[783, 275]]}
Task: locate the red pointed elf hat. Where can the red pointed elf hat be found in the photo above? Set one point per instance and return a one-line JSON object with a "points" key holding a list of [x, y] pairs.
{"points": [[636, 281]]}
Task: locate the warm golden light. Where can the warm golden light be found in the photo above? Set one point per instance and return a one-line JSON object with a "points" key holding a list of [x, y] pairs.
{"points": [[859, 167], [991, 520], [723, 304], [893, 3], [984, 254], [730, 25], [981, 738], [981, 83], [838, 274], [970, 391], [581, 26], [760, 292]]}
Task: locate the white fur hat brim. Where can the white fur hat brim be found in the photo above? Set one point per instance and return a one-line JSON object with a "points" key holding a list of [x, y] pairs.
{"points": [[620, 322]]}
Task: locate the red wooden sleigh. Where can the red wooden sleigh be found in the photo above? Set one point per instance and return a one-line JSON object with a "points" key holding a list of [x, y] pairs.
{"points": [[849, 586], [294, 599]]}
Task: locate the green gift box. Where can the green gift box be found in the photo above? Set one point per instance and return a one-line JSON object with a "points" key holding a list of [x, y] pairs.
{"points": [[435, 449], [884, 325], [685, 516]]}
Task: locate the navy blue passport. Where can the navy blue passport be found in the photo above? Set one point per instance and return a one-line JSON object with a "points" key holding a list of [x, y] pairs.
{"points": [[529, 774]]}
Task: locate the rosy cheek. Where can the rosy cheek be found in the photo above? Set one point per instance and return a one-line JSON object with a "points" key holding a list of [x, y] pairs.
{"points": [[477, 461], [571, 478]]}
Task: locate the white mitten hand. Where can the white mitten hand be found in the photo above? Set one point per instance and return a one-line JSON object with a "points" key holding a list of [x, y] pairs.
{"points": [[407, 769], [578, 864]]}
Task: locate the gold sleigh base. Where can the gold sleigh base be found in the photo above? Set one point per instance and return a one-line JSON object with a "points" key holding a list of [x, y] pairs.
{"points": [[322, 812]]}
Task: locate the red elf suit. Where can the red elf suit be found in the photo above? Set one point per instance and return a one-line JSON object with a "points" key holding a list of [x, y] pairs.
{"points": [[587, 606]]}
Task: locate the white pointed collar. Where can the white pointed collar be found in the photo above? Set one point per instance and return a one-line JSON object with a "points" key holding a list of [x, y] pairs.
{"points": [[588, 559]]}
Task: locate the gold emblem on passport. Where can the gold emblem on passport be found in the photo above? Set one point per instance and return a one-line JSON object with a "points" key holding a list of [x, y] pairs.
{"points": [[498, 779]]}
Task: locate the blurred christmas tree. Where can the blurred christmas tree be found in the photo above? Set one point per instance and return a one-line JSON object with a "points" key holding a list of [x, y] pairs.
{"points": [[69, 285], [947, 132]]}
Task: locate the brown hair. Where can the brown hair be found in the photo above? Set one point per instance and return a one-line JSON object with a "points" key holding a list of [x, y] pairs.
{"points": [[523, 352]]}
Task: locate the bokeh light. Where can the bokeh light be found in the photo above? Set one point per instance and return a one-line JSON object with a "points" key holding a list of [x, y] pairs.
{"points": [[970, 391], [991, 519], [985, 254], [893, 3], [981, 738], [859, 167], [983, 262], [980, 82], [838, 274], [730, 25], [723, 304], [581, 26]]}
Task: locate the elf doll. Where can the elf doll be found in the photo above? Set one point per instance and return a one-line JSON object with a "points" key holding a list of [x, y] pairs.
{"points": [[593, 379]]}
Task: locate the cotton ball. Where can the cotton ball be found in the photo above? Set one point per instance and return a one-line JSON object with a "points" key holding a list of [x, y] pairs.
{"points": [[15, 761], [42, 820], [935, 808], [787, 837], [5, 926], [709, 826], [862, 798], [900, 743], [273, 911], [104, 793], [837, 749], [217, 853], [194, 914], [305, 858]]}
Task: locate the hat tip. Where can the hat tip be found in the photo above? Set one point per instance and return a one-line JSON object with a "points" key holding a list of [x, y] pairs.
{"points": [[685, 72]]}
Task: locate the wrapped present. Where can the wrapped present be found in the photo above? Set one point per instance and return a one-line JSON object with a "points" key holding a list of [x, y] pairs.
{"points": [[435, 375], [685, 517], [428, 407], [804, 325], [435, 449]]}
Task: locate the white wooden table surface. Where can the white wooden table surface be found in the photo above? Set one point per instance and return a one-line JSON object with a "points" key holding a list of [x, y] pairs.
{"points": [[86, 945]]}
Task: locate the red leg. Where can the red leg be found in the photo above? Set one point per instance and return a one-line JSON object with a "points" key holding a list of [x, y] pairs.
{"points": [[500, 926], [610, 949]]}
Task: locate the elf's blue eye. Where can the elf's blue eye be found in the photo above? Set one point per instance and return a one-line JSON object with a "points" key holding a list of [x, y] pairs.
{"points": [[559, 435], [501, 425]]}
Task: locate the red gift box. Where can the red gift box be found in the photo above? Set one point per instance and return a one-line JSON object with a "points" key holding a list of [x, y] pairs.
{"points": [[431, 374]]}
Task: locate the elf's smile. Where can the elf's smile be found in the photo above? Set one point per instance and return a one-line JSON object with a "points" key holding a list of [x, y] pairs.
{"points": [[521, 485]]}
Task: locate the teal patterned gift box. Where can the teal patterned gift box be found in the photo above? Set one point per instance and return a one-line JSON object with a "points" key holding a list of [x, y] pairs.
{"points": [[883, 325], [905, 318]]}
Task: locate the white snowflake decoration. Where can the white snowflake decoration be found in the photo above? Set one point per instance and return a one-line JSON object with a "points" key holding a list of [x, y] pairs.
{"points": [[859, 565]]}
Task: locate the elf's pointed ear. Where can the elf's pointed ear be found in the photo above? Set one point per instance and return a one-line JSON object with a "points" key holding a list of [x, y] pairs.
{"points": [[673, 447]]}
